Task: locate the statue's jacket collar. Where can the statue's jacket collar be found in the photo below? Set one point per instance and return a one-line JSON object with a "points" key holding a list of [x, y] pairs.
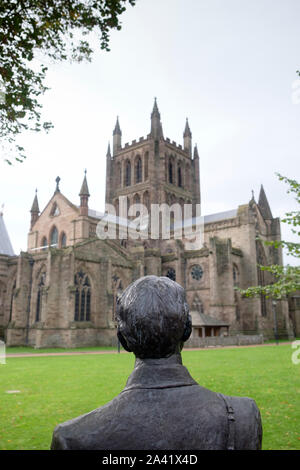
{"points": [[158, 374]]}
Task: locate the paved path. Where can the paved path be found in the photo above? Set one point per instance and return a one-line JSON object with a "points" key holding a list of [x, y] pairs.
{"points": [[78, 353]]}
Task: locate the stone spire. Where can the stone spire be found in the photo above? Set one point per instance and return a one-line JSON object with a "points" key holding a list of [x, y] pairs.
{"points": [[156, 127], [117, 136], [263, 204], [35, 211], [187, 130], [187, 138], [196, 154], [117, 129], [84, 196]]}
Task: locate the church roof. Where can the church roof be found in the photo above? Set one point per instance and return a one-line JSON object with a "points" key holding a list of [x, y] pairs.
{"points": [[263, 204], [220, 216], [5, 244], [201, 319]]}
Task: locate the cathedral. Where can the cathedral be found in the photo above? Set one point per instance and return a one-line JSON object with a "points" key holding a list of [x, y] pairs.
{"points": [[62, 291]]}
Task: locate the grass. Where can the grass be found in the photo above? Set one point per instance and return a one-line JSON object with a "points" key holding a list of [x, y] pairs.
{"points": [[55, 389], [30, 350]]}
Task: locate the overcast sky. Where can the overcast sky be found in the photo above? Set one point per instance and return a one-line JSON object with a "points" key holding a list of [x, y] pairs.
{"points": [[228, 65]]}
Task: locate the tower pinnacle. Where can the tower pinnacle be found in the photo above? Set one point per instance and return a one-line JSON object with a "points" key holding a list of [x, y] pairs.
{"points": [[84, 197], [187, 138], [117, 135], [35, 210], [156, 127]]}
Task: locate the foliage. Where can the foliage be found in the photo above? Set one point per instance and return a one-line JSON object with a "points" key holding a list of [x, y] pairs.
{"points": [[56, 28], [286, 278]]}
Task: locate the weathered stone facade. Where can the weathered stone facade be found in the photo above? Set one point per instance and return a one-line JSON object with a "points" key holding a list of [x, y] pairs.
{"points": [[63, 290]]}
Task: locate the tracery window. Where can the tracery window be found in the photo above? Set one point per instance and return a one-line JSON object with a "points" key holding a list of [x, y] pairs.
{"points": [[179, 176], [63, 240], [197, 272], [127, 173], [171, 274], [138, 170], [146, 161], [170, 170], [54, 237], [119, 174], [82, 297]]}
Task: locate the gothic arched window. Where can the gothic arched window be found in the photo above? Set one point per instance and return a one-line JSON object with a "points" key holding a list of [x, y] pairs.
{"points": [[146, 200], [170, 170], [235, 274], [82, 297], [44, 243], [171, 274], [179, 176], [146, 161], [138, 170], [38, 309], [54, 210], [117, 206], [127, 173], [63, 240], [54, 237], [187, 177], [119, 174]]}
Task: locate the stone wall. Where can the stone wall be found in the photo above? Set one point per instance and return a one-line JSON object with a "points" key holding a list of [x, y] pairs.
{"points": [[237, 340]]}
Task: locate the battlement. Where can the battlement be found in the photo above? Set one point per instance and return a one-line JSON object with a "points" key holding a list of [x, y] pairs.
{"points": [[134, 142], [178, 146]]}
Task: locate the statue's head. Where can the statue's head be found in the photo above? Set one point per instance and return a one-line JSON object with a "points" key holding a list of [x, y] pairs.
{"points": [[153, 317]]}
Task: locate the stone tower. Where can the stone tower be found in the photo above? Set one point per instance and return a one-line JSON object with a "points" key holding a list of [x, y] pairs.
{"points": [[152, 170]]}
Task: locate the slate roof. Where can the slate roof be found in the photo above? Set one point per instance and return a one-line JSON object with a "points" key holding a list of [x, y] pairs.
{"points": [[220, 216], [201, 319], [5, 244]]}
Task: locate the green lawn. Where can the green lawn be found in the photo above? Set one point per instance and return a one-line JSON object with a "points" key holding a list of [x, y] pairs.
{"points": [[54, 389], [30, 350]]}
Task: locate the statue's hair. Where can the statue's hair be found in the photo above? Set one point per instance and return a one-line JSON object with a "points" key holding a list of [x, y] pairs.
{"points": [[153, 317]]}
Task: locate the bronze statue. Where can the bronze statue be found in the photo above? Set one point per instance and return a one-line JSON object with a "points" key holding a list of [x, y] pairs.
{"points": [[161, 407]]}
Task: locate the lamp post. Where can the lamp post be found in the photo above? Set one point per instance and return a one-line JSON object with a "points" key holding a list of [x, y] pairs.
{"points": [[274, 303]]}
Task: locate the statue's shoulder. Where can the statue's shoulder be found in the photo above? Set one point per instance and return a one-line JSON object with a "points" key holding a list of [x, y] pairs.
{"points": [[72, 434], [244, 422]]}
